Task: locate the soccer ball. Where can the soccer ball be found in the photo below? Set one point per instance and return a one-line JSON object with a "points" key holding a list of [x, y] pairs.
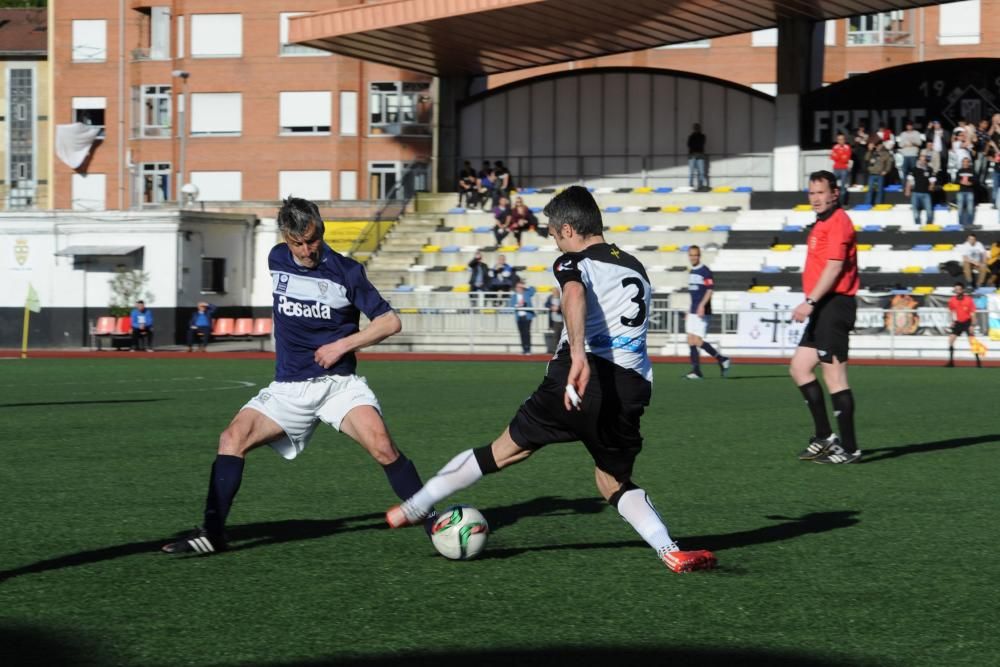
{"points": [[460, 532]]}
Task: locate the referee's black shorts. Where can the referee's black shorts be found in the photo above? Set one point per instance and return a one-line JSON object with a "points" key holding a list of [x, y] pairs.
{"points": [[959, 328], [829, 327], [607, 424]]}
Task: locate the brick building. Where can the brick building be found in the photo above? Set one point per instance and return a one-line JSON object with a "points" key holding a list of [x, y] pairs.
{"points": [[263, 118]]}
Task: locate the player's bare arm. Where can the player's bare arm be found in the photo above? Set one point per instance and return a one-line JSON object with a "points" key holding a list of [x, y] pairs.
{"points": [[575, 317], [700, 312], [827, 279], [383, 326]]}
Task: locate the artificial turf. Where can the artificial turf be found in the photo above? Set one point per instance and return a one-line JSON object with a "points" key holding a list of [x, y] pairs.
{"points": [[890, 562]]}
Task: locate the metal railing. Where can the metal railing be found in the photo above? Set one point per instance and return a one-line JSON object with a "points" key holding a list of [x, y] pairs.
{"points": [[393, 206]]}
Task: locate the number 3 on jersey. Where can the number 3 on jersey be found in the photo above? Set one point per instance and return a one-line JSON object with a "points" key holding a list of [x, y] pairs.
{"points": [[639, 299]]}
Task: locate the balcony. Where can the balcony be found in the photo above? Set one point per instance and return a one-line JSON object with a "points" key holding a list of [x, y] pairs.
{"points": [[880, 38], [147, 53]]}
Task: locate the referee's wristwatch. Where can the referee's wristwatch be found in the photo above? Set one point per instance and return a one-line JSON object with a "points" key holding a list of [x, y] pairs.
{"points": [[811, 302]]}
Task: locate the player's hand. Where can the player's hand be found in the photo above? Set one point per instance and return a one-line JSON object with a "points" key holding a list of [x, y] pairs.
{"points": [[802, 312], [328, 355], [700, 312], [579, 376]]}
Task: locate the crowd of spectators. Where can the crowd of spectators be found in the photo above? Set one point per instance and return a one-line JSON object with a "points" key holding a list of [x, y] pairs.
{"points": [[484, 188], [924, 161]]}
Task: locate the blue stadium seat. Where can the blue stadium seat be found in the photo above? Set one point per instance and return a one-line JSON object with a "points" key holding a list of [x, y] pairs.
{"points": [[930, 269], [862, 207], [691, 209], [872, 228], [770, 269], [403, 288], [527, 191], [528, 248], [640, 228], [613, 209], [663, 190], [722, 228], [451, 248], [483, 229], [457, 209], [792, 228], [922, 247], [952, 228], [743, 188], [894, 188], [536, 209]]}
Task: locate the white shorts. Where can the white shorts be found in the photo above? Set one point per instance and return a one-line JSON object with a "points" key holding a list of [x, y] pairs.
{"points": [[696, 325], [297, 407]]}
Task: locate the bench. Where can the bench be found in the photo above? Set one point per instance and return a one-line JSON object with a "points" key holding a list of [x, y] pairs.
{"points": [[116, 330], [244, 328]]}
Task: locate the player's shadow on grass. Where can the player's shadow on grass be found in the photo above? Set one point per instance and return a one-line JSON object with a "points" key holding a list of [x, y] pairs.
{"points": [[101, 402], [789, 528], [246, 536], [507, 515], [883, 453]]}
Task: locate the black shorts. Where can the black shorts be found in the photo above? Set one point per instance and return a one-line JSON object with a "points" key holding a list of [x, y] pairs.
{"points": [[607, 424], [959, 328], [829, 327]]}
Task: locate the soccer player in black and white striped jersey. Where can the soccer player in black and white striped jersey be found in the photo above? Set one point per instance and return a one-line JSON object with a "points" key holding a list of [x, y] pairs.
{"points": [[595, 389]]}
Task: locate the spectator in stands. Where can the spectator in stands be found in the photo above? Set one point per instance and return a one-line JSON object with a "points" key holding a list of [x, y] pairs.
{"points": [[503, 182], [696, 158], [993, 149], [479, 277], [938, 143], [520, 301], [993, 265], [973, 256], [466, 183], [981, 145], [879, 162], [920, 182], [960, 150], [502, 216], [967, 183], [502, 276], [200, 326], [840, 155], [962, 308], [860, 147], [142, 327], [553, 304], [486, 185], [887, 137], [522, 220], [909, 142]]}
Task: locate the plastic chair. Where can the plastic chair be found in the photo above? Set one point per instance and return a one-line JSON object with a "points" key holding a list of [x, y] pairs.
{"points": [[243, 326], [123, 326], [223, 326]]}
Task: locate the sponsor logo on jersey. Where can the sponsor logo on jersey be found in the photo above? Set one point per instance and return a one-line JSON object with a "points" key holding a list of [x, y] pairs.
{"points": [[618, 343], [282, 283], [565, 266], [296, 309]]}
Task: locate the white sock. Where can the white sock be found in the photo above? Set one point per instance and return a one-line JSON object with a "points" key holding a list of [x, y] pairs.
{"points": [[636, 508], [461, 472]]}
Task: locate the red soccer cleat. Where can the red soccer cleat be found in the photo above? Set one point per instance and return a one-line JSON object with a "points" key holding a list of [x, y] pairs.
{"points": [[689, 561]]}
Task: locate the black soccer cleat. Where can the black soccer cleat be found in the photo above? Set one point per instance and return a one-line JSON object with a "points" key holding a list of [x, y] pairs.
{"points": [[818, 447], [837, 454], [725, 363], [197, 542]]}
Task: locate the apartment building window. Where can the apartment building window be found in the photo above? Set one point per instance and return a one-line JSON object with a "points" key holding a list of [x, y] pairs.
{"points": [[767, 37], [21, 136], [154, 28], [383, 177], [216, 35], [399, 107], [218, 185], [348, 113], [959, 23], [154, 182], [151, 111], [305, 112], [216, 113], [882, 29], [348, 185], [213, 275], [90, 43], [287, 49], [307, 184], [88, 192], [90, 111]]}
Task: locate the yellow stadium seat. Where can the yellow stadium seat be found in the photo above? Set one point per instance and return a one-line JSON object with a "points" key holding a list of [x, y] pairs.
{"points": [[781, 247], [669, 248], [544, 288], [923, 289], [536, 268], [460, 288], [508, 248], [409, 311], [620, 228], [700, 228], [431, 248], [943, 246], [488, 311], [456, 268], [760, 289], [883, 207], [671, 209], [802, 207], [857, 228], [912, 269], [931, 228], [463, 228], [643, 191], [864, 246], [723, 188], [950, 187]]}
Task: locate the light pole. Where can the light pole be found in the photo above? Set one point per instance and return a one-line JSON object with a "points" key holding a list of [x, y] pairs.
{"points": [[181, 122]]}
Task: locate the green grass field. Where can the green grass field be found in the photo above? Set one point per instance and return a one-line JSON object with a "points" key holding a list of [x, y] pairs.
{"points": [[891, 562]]}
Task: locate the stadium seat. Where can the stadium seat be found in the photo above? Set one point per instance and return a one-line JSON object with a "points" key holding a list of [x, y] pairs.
{"points": [[802, 207], [431, 248], [931, 228], [943, 246], [862, 207], [691, 209], [922, 247], [105, 326], [456, 210], [261, 326], [640, 228], [223, 326], [743, 188], [671, 209], [123, 326], [243, 326], [613, 209], [663, 190]]}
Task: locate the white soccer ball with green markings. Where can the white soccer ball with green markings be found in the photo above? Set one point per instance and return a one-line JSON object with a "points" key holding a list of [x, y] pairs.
{"points": [[460, 532]]}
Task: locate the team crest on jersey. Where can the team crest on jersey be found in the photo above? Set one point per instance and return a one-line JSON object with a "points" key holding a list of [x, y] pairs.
{"points": [[323, 288], [282, 283], [616, 252]]}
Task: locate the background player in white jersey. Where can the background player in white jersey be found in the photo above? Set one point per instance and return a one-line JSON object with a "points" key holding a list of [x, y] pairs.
{"points": [[700, 286], [319, 296], [596, 387]]}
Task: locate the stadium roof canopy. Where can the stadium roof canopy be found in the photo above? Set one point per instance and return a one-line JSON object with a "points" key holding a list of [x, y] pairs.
{"points": [[477, 37]]}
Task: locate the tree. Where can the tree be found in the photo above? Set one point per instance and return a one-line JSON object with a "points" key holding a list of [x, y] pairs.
{"points": [[127, 287]]}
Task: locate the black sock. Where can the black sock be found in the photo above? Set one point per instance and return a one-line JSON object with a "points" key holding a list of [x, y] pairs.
{"points": [[813, 393], [695, 363], [951, 355], [843, 408], [227, 473], [708, 348], [403, 477], [979, 363]]}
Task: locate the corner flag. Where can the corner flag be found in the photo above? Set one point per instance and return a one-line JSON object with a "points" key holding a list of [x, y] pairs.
{"points": [[33, 303]]}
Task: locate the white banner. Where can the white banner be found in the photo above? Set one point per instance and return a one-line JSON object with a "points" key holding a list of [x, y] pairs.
{"points": [[765, 321]]}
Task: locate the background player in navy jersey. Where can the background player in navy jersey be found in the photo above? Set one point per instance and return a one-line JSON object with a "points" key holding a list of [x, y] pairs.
{"points": [[700, 283], [596, 387], [318, 298]]}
